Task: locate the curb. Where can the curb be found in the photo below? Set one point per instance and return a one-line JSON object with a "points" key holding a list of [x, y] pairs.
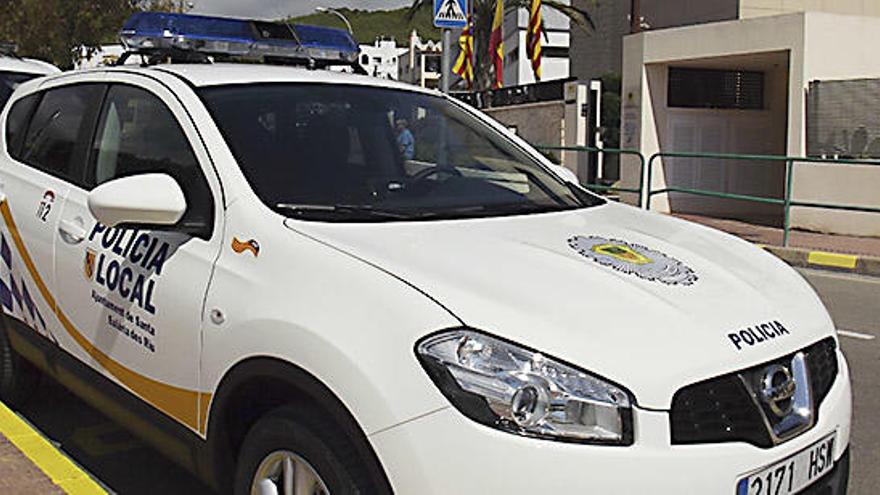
{"points": [[823, 260], [63, 472]]}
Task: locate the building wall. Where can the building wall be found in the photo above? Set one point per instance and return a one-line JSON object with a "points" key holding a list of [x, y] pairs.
{"points": [[381, 59], [537, 123], [757, 8], [517, 66], [661, 14], [596, 52], [599, 51], [820, 46], [415, 64], [649, 54], [838, 47]]}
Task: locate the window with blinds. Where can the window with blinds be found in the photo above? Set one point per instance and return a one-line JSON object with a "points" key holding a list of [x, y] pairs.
{"points": [[714, 88]]}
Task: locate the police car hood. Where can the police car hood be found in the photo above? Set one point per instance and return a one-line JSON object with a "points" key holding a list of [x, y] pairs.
{"points": [[646, 300]]}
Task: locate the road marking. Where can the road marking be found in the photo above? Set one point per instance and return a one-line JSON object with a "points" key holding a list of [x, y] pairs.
{"points": [[832, 259], [58, 467], [855, 335]]}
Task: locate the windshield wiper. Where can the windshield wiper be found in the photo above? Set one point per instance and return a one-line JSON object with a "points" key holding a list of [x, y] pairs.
{"points": [[340, 209]]}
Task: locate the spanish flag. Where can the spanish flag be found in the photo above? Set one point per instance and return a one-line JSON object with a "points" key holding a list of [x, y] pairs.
{"points": [[496, 44], [464, 66], [533, 38]]}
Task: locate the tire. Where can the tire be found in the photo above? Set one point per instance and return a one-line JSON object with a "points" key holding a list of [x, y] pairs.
{"points": [[298, 432], [18, 377]]}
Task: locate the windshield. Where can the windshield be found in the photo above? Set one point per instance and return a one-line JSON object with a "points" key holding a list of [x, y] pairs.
{"points": [[9, 81], [350, 153]]}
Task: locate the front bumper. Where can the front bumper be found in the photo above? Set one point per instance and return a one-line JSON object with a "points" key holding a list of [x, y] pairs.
{"points": [[445, 452]]}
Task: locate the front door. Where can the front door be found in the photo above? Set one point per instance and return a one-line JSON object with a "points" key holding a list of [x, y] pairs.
{"points": [[132, 298]]}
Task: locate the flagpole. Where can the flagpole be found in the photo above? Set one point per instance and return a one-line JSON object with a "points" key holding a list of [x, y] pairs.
{"points": [[446, 66], [472, 26]]}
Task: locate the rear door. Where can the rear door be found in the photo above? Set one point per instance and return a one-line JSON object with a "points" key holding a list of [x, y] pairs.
{"points": [[133, 297], [45, 153]]}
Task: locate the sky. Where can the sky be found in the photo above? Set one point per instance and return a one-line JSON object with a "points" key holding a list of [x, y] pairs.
{"points": [[274, 9]]}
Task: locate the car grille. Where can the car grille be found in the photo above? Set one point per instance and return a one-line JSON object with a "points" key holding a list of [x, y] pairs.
{"points": [[721, 409]]}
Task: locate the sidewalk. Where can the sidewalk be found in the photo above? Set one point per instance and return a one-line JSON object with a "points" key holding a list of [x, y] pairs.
{"points": [[30, 464], [808, 249], [19, 475]]}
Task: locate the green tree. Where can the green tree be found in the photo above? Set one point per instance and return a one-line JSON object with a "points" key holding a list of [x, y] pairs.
{"points": [[54, 30], [368, 25], [484, 12]]}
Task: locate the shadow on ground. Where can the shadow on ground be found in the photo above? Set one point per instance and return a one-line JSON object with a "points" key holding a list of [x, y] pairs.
{"points": [[117, 459]]}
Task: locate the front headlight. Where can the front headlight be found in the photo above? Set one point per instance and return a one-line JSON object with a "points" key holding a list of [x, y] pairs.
{"points": [[509, 387]]}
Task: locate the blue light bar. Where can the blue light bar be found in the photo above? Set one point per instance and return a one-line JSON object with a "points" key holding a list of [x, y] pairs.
{"points": [[154, 32]]}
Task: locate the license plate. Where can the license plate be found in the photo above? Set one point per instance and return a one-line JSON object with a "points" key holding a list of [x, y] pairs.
{"points": [[792, 474]]}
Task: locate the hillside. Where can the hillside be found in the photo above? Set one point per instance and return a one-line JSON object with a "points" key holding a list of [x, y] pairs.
{"points": [[368, 25]]}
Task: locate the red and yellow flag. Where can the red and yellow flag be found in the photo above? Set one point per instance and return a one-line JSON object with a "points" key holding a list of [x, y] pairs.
{"points": [[464, 66], [496, 44], [533, 38]]}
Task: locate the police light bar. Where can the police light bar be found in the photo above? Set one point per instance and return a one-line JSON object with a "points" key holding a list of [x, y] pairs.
{"points": [[157, 32]]}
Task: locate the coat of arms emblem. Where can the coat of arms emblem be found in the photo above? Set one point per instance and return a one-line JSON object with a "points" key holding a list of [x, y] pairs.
{"points": [[634, 259], [89, 264]]}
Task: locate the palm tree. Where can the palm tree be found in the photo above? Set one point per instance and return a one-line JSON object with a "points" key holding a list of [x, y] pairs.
{"points": [[484, 11]]}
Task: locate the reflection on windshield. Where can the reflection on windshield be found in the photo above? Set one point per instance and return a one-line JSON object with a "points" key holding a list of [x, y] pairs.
{"points": [[405, 140], [351, 153]]}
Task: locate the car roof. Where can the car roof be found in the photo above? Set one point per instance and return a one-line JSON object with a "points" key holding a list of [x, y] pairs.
{"points": [[26, 66], [218, 74]]}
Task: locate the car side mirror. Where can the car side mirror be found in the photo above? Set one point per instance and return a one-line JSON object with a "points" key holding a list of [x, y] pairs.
{"points": [[147, 199]]}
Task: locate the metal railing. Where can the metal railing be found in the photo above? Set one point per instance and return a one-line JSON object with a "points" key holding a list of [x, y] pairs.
{"points": [[786, 201], [614, 151]]}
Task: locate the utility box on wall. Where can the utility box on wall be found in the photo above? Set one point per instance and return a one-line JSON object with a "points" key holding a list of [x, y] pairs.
{"points": [[583, 109], [843, 119]]}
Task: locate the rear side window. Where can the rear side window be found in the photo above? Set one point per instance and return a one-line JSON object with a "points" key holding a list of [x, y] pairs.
{"points": [[16, 123], [138, 134], [57, 137], [9, 81]]}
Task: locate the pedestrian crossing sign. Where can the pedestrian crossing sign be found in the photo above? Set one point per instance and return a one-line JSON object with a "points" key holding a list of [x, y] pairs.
{"points": [[450, 13]]}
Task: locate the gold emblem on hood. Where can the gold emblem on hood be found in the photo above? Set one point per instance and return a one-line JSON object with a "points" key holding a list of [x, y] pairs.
{"points": [[622, 252], [633, 259]]}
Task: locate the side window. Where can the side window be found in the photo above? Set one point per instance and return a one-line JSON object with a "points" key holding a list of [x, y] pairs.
{"points": [[57, 137], [9, 81], [16, 123], [138, 134]]}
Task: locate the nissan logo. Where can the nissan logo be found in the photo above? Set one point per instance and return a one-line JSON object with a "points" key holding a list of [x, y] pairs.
{"points": [[777, 389]]}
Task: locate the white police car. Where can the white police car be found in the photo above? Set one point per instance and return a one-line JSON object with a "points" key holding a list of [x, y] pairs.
{"points": [[238, 262], [15, 70]]}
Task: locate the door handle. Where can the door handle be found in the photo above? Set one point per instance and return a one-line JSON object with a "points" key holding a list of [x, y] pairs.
{"points": [[71, 231]]}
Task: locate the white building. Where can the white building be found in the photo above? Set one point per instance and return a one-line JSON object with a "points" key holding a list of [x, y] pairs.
{"points": [[104, 55], [555, 47], [741, 86], [381, 59], [421, 64]]}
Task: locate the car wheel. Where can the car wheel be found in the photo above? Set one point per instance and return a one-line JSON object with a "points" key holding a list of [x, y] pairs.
{"points": [[18, 377], [286, 453]]}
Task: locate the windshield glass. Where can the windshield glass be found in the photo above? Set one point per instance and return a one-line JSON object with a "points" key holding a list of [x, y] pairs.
{"points": [[9, 81], [350, 153]]}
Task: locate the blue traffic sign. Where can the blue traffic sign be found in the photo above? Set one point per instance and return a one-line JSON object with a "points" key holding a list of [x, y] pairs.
{"points": [[450, 13]]}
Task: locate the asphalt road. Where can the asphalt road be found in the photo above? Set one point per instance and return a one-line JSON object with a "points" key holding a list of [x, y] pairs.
{"points": [[854, 303], [127, 466]]}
